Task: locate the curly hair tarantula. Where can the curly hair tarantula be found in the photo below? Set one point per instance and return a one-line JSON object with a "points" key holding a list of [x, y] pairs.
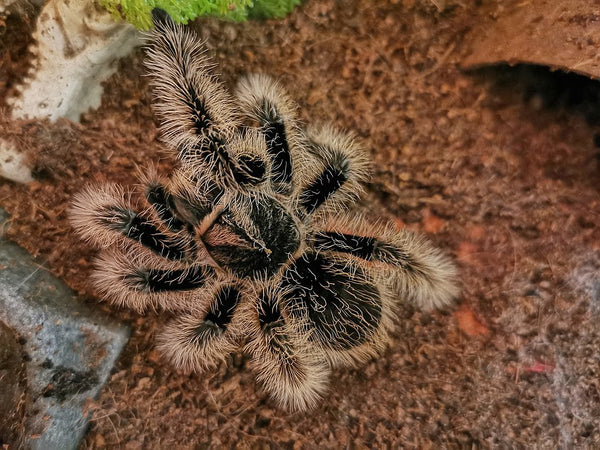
{"points": [[248, 242]]}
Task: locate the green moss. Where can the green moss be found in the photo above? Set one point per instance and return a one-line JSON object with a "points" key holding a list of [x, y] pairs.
{"points": [[267, 9], [137, 12]]}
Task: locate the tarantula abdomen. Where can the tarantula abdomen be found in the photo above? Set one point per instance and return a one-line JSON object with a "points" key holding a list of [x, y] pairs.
{"points": [[342, 307]]}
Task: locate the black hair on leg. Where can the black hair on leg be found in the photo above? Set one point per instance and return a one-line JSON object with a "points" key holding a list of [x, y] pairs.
{"points": [[416, 271], [343, 168], [144, 231], [222, 308], [161, 280], [141, 282], [163, 203], [104, 215], [202, 339], [266, 102], [333, 176], [284, 366]]}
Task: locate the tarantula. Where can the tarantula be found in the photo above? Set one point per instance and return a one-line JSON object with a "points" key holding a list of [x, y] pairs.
{"points": [[248, 242]]}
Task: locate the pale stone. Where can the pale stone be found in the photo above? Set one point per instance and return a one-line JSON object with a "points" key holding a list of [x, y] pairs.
{"points": [[77, 44], [12, 164]]}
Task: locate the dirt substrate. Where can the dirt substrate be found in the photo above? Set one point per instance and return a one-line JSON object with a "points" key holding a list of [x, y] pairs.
{"points": [[499, 167]]}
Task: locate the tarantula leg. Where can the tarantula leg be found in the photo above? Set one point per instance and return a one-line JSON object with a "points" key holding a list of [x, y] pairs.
{"points": [[103, 216], [250, 167], [164, 205], [344, 312], [344, 169], [140, 229], [415, 269], [127, 280], [161, 280], [334, 175], [200, 340], [196, 112], [285, 367], [266, 102], [360, 246]]}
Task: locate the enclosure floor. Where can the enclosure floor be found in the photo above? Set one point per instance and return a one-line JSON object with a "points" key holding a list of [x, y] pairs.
{"points": [[507, 187]]}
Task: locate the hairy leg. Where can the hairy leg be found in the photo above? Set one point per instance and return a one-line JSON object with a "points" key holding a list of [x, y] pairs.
{"points": [[416, 271], [282, 359], [104, 216], [203, 338], [341, 169], [126, 278], [266, 102], [199, 120]]}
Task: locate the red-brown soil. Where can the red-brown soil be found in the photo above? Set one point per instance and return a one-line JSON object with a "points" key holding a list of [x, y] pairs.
{"points": [[499, 171]]}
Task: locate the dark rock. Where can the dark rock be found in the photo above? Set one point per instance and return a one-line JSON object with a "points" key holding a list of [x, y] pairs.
{"points": [[68, 348]]}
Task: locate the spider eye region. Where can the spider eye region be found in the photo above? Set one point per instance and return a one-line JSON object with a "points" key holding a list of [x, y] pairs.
{"points": [[254, 237], [341, 306]]}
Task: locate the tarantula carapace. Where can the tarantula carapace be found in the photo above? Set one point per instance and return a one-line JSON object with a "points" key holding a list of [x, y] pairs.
{"points": [[248, 242]]}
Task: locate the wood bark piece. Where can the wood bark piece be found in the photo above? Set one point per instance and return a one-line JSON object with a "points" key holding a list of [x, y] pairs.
{"points": [[561, 34]]}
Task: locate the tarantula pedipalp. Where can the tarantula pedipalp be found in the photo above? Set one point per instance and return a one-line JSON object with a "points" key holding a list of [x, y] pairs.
{"points": [[248, 242]]}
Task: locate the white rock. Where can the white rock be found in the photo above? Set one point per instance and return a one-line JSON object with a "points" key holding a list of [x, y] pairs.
{"points": [[77, 45], [12, 165]]}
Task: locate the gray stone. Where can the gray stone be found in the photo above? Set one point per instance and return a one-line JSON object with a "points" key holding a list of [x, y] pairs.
{"points": [[12, 395], [70, 347]]}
